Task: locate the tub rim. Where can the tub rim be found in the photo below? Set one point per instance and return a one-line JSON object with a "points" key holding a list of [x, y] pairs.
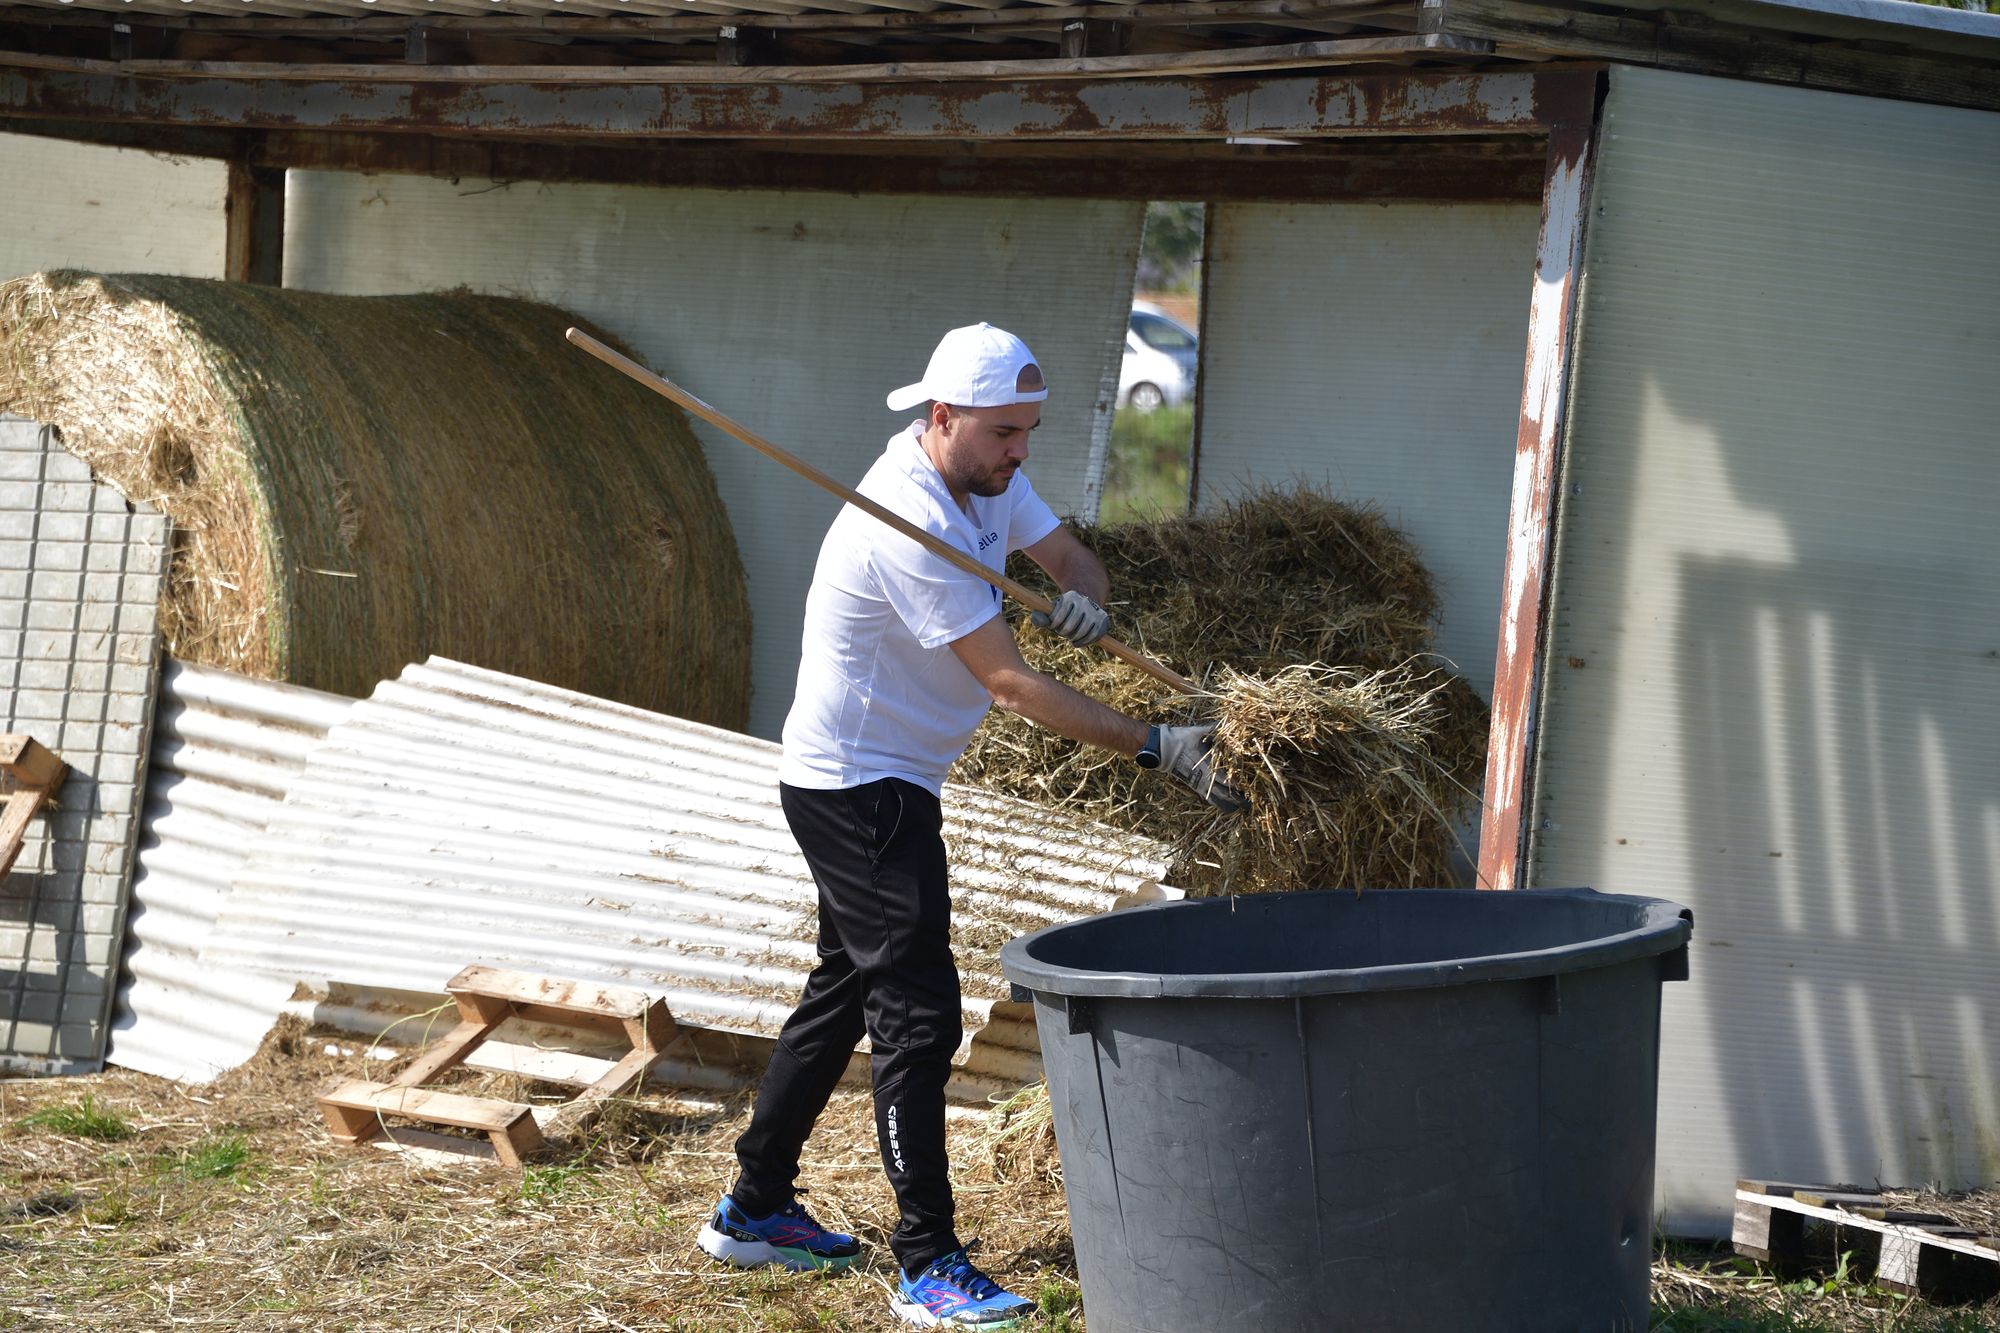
{"points": [[1664, 928]]}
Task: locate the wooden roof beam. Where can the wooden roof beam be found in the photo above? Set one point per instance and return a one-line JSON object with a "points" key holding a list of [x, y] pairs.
{"points": [[1226, 60]]}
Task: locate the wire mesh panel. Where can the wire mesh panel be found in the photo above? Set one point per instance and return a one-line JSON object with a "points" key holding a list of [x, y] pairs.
{"points": [[80, 575]]}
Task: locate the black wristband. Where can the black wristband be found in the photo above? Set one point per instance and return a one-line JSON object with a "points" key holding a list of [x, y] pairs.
{"points": [[1149, 753]]}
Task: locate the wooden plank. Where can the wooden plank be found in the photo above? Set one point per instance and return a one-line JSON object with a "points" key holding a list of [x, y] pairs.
{"points": [[348, 1125], [652, 1030], [628, 1073], [433, 1149], [440, 1108], [1910, 1266], [31, 763], [486, 1009], [539, 1063], [446, 1053], [14, 818], [1153, 12], [1767, 1234], [1226, 60], [1780, 1188], [516, 1140], [1846, 1219], [522, 988], [1828, 1198]]}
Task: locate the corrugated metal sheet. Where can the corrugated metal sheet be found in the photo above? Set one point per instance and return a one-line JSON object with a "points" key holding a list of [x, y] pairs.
{"points": [[226, 748], [76, 205], [1773, 689], [1375, 351], [459, 816], [792, 313]]}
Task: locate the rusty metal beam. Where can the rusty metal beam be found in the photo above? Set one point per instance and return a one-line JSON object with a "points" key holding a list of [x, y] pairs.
{"points": [[1417, 102], [1532, 512], [1456, 170]]}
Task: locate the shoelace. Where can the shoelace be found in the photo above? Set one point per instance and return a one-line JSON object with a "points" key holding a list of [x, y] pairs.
{"points": [[798, 1210], [956, 1268]]}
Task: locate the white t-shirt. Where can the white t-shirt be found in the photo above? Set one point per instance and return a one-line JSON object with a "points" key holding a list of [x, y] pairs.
{"points": [[881, 694]]}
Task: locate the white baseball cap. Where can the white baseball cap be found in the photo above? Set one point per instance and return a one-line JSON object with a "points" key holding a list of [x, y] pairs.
{"points": [[976, 366]]}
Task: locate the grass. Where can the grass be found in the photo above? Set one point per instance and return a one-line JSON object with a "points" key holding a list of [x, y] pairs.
{"points": [[220, 1157], [84, 1120], [1146, 472], [232, 1210]]}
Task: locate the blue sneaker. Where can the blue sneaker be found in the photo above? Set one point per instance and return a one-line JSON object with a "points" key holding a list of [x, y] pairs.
{"points": [[789, 1237], [951, 1293]]}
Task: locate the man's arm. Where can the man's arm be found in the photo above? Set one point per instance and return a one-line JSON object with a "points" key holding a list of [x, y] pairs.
{"points": [[990, 655], [1074, 566]]}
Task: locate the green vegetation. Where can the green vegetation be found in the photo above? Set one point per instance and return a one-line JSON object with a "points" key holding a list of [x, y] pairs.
{"points": [[1170, 248], [1146, 470], [221, 1157], [85, 1120]]}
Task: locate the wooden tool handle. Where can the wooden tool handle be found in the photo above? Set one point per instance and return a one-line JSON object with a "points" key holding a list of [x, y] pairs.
{"points": [[1034, 601]]}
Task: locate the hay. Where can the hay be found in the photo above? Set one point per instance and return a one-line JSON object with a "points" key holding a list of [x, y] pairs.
{"points": [[1358, 773], [359, 482]]}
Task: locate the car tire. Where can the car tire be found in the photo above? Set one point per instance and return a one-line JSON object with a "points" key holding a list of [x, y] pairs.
{"points": [[1145, 397]]}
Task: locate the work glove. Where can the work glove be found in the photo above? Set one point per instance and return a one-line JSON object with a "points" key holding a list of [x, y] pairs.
{"points": [[1186, 753], [1074, 617]]}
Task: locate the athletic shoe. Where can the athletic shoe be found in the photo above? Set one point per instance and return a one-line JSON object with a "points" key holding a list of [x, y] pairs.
{"points": [[951, 1293], [789, 1237]]}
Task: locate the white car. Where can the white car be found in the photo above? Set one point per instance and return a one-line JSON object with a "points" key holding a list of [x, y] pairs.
{"points": [[1159, 365]]}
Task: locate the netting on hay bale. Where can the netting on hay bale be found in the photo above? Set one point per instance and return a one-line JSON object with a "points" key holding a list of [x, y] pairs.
{"points": [[357, 482], [1309, 621]]}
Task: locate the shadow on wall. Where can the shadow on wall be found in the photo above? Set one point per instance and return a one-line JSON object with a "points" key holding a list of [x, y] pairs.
{"points": [[1845, 790], [1792, 631]]}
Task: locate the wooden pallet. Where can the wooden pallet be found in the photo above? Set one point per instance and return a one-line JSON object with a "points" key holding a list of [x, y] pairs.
{"points": [[1920, 1250], [355, 1109], [35, 773]]}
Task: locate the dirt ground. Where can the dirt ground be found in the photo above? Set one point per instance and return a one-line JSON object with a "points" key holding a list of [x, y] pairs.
{"points": [[132, 1202]]}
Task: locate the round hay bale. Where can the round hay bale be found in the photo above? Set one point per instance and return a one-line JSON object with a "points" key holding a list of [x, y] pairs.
{"points": [[1358, 773], [357, 482]]}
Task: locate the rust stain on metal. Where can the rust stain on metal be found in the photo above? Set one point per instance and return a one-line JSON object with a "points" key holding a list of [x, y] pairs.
{"points": [[1531, 512], [1415, 102]]}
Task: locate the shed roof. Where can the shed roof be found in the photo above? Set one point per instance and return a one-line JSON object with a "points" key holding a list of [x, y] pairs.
{"points": [[1882, 46]]}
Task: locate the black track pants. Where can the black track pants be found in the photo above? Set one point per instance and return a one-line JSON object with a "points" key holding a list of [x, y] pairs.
{"points": [[885, 966]]}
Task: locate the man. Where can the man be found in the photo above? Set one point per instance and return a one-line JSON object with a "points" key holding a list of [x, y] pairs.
{"points": [[903, 654]]}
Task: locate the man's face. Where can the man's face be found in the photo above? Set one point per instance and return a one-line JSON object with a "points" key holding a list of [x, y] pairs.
{"points": [[985, 446]]}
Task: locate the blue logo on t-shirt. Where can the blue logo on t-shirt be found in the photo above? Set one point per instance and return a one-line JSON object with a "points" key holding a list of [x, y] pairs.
{"points": [[987, 539]]}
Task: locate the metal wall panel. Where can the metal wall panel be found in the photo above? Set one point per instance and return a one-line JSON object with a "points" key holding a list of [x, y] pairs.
{"points": [[225, 751], [1375, 351], [115, 210], [792, 313], [80, 578], [1773, 689], [459, 816]]}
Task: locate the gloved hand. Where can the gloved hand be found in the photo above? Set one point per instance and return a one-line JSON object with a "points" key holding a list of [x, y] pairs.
{"points": [[1185, 752], [1076, 618]]}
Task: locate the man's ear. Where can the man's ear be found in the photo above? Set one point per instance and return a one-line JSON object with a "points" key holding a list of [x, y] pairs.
{"points": [[941, 415]]}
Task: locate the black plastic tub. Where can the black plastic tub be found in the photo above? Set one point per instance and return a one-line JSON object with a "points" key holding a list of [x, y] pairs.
{"points": [[1415, 1109]]}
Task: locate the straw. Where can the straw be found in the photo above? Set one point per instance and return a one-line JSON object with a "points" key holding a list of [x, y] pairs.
{"points": [[359, 482], [1311, 621]]}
